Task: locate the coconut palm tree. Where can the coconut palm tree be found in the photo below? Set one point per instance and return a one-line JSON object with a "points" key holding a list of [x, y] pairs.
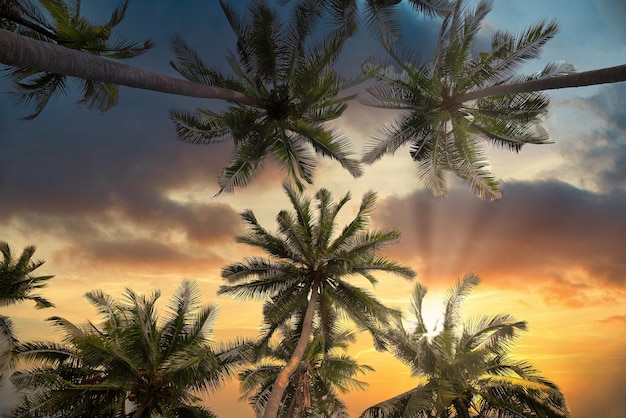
{"points": [[466, 161], [461, 100], [280, 64], [18, 283], [324, 371], [22, 51], [131, 365], [306, 271], [59, 22], [464, 367], [17, 50]]}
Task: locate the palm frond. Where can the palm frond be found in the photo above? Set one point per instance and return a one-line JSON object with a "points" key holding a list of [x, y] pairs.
{"points": [[97, 95], [327, 144], [470, 163], [241, 170], [455, 296], [359, 223]]}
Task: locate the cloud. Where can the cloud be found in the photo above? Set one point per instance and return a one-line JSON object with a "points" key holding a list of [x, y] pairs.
{"points": [[597, 157], [614, 319], [613, 14], [545, 234], [141, 255]]}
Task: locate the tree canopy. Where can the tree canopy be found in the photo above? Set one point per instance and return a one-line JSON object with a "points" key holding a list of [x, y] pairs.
{"points": [[286, 90]]}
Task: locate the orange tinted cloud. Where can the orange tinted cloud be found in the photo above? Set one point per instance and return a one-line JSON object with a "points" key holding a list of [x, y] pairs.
{"points": [[539, 231]]}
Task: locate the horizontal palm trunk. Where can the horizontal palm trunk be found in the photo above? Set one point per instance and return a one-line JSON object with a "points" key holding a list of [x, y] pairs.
{"points": [[21, 51], [585, 78]]}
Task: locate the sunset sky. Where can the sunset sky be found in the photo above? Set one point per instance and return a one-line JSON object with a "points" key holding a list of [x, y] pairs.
{"points": [[114, 200]]}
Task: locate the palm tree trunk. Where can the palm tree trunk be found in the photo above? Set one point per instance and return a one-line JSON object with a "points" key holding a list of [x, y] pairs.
{"points": [[461, 408], [586, 78], [280, 384], [142, 408], [21, 51]]}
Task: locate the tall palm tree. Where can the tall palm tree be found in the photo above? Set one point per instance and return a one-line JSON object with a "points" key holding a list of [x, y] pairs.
{"points": [[324, 372], [21, 51], [281, 64], [464, 367], [132, 358], [461, 100], [18, 283], [60, 22], [306, 271]]}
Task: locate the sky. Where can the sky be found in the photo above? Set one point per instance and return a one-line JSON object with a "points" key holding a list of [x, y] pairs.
{"points": [[114, 200]]}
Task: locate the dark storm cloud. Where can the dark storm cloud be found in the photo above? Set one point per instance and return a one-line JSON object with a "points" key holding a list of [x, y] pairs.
{"points": [[144, 254], [82, 177], [613, 14], [600, 155], [546, 233]]}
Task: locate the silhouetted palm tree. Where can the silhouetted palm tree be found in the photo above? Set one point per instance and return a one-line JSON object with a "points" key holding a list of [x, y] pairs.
{"points": [[280, 64], [18, 283], [59, 22], [461, 100], [131, 365], [306, 271], [464, 367], [313, 390]]}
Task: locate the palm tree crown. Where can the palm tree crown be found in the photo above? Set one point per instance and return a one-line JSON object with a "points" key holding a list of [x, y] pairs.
{"points": [[156, 367], [291, 73], [446, 133], [17, 281], [465, 368], [306, 271], [60, 22], [17, 284]]}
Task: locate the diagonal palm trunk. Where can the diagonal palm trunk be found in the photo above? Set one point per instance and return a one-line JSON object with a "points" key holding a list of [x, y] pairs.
{"points": [[461, 407], [280, 384], [586, 78], [21, 51]]}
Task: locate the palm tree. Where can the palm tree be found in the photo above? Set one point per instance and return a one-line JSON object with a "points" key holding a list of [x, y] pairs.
{"points": [[313, 389], [306, 271], [156, 367], [21, 51], [17, 50], [280, 64], [17, 281], [17, 284], [67, 28], [464, 367], [464, 158], [461, 99]]}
